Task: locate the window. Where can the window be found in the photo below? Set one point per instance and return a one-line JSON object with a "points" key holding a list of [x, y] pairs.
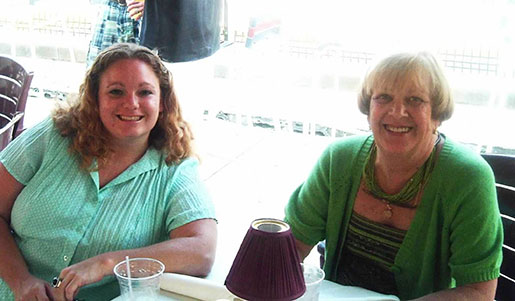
{"points": [[319, 52], [295, 65]]}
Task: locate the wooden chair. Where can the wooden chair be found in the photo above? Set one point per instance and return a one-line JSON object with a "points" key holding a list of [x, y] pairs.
{"points": [[15, 83], [504, 170]]}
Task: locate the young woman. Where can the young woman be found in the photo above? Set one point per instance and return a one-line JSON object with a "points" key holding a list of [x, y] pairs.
{"points": [[113, 175]]}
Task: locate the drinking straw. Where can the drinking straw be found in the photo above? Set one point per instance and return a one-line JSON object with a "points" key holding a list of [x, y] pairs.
{"points": [[129, 276]]}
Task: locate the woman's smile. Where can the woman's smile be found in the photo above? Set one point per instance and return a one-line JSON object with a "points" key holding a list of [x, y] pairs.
{"points": [[129, 118], [397, 129]]}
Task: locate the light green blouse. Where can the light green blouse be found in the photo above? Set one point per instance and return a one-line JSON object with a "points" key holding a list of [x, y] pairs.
{"points": [[62, 217]]}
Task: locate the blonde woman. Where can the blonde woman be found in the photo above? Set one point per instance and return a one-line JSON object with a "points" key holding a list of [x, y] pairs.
{"points": [[405, 211]]}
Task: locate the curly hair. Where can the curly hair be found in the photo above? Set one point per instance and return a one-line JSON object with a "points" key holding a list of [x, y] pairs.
{"points": [[398, 68], [79, 119]]}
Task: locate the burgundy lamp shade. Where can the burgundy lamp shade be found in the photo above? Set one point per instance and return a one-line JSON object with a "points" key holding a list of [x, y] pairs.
{"points": [[267, 266]]}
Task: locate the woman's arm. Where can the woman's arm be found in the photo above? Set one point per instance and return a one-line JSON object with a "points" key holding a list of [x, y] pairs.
{"points": [[476, 239], [303, 249], [190, 250], [13, 269], [475, 291]]}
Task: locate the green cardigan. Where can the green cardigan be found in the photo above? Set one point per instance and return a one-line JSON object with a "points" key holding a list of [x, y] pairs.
{"points": [[454, 239]]}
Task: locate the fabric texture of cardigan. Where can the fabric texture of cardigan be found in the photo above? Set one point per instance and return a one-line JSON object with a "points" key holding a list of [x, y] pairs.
{"points": [[454, 239]]}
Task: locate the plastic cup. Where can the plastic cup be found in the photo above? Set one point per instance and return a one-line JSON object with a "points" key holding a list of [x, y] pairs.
{"points": [[143, 283], [313, 277]]}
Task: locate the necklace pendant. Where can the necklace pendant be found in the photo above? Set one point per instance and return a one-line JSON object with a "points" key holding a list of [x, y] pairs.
{"points": [[388, 213]]}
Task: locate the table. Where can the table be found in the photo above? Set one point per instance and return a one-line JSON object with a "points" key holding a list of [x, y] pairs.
{"points": [[236, 176], [328, 291]]}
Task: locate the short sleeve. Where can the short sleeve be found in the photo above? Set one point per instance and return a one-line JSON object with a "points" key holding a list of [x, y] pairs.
{"points": [[306, 211], [476, 228], [189, 199], [24, 155]]}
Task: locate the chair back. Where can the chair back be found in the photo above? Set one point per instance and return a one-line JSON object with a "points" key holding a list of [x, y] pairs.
{"points": [[504, 171], [9, 96], [15, 83], [7, 127]]}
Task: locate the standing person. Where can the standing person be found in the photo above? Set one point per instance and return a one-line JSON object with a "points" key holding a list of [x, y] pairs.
{"points": [[112, 175], [182, 30], [405, 211], [118, 22], [185, 34]]}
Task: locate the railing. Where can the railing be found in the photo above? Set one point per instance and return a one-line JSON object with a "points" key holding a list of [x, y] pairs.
{"points": [[475, 61]]}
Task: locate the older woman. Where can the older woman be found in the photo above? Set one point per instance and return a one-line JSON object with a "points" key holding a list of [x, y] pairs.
{"points": [[113, 175], [405, 211]]}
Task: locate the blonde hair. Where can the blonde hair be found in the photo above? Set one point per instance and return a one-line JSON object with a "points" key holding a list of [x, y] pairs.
{"points": [[400, 68], [80, 118]]}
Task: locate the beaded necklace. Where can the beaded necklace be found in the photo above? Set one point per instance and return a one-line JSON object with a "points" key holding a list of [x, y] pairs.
{"points": [[404, 197]]}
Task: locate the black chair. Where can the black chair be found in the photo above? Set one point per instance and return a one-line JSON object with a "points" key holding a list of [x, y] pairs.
{"points": [[503, 167], [9, 90], [321, 251], [15, 83], [504, 170]]}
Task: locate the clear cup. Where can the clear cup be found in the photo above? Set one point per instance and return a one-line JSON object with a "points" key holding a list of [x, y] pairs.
{"points": [[143, 284], [313, 276]]}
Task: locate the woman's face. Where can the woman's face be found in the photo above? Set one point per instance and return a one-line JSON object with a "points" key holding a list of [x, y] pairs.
{"points": [[129, 101], [400, 118]]}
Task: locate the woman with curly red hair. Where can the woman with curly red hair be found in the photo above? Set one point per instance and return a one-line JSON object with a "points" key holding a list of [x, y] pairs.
{"points": [[112, 174]]}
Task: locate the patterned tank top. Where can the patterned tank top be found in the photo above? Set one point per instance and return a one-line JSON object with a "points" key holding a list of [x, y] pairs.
{"points": [[368, 255]]}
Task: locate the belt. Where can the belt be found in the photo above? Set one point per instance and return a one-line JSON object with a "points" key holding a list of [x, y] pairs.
{"points": [[121, 2]]}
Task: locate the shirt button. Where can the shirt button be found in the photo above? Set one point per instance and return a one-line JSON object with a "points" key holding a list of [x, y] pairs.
{"points": [[65, 258]]}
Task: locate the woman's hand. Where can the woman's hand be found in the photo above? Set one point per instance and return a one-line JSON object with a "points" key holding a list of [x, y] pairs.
{"points": [[135, 9], [32, 288], [83, 273]]}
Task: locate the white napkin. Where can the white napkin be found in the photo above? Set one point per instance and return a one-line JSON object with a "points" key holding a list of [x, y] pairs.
{"points": [[376, 297], [194, 287]]}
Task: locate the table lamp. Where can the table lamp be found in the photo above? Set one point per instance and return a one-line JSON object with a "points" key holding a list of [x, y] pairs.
{"points": [[267, 265]]}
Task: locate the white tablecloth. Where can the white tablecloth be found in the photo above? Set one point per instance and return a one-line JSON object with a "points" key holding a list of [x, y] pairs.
{"points": [[186, 288]]}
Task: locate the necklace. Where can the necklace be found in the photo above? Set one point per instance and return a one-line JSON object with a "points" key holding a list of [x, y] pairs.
{"points": [[404, 197]]}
